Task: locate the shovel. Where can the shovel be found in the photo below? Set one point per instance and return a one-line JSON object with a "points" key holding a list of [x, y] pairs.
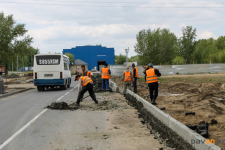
{"points": [[80, 100]]}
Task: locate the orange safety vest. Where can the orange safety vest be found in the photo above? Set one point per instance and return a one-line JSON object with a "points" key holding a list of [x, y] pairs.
{"points": [[85, 80], [127, 76], [151, 77], [136, 75], [105, 73], [88, 73]]}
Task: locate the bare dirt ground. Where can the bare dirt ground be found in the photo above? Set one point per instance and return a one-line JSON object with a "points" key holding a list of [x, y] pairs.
{"points": [[125, 130], [203, 94]]}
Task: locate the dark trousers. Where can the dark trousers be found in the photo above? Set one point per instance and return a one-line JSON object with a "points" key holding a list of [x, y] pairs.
{"points": [[89, 88], [135, 84], [153, 87]]}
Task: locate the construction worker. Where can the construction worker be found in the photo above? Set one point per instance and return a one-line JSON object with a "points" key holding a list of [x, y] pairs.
{"points": [[144, 68], [105, 77], [127, 80], [152, 81], [135, 75], [85, 72], [87, 85]]}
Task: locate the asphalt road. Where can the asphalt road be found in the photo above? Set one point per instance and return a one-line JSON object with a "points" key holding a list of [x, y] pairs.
{"points": [[18, 110]]}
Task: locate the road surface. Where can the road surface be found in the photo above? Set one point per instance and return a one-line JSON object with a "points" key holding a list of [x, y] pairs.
{"points": [[27, 125]]}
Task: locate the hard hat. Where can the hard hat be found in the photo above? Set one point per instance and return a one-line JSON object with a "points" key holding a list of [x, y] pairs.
{"points": [[150, 65]]}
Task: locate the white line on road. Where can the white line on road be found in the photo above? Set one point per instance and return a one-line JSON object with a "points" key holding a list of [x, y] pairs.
{"points": [[27, 125], [67, 93], [21, 130]]}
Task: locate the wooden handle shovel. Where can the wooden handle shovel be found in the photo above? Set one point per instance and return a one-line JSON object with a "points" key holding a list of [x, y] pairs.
{"points": [[80, 100]]}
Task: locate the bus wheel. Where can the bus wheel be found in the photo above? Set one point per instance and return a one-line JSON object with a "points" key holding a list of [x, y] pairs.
{"points": [[64, 87], [38, 88], [43, 88], [69, 84]]}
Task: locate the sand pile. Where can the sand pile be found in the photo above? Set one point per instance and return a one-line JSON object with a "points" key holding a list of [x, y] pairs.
{"points": [[14, 75]]}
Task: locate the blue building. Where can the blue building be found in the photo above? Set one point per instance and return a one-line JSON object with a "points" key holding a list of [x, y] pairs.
{"points": [[95, 56]]}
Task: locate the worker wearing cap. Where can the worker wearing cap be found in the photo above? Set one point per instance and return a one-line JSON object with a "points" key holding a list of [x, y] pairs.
{"points": [[87, 85], [127, 80], [85, 72], [135, 75], [105, 77], [152, 81]]}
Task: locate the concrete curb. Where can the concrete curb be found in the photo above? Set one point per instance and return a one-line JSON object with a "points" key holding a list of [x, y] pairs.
{"points": [[180, 129], [10, 94]]}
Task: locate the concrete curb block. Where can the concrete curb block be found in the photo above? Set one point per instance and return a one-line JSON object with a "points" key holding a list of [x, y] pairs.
{"points": [[10, 94], [183, 131], [114, 87]]}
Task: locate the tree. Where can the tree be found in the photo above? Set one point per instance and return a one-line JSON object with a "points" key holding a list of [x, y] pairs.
{"points": [[178, 60], [71, 56], [120, 59], [10, 33], [187, 42], [156, 46]]}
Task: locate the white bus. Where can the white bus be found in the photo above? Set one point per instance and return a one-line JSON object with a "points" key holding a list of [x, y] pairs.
{"points": [[51, 70]]}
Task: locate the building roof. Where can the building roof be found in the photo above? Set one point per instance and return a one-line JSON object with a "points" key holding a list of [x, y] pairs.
{"points": [[79, 62]]}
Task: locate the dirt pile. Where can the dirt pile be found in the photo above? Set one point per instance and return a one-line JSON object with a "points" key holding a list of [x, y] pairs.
{"points": [[61, 106], [108, 105], [97, 79], [14, 75]]}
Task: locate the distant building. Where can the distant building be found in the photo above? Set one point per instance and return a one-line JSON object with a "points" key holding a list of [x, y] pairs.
{"points": [[94, 56], [77, 65]]}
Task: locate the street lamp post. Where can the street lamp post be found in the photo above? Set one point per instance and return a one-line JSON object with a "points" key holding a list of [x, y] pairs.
{"points": [[127, 50]]}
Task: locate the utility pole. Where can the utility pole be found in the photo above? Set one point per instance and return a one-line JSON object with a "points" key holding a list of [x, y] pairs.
{"points": [[127, 50], [17, 63]]}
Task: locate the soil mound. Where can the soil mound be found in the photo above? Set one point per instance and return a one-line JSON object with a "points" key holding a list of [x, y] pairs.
{"points": [[14, 75], [108, 105], [61, 106]]}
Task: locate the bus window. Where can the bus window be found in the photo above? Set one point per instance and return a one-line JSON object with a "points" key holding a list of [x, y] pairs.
{"points": [[65, 66]]}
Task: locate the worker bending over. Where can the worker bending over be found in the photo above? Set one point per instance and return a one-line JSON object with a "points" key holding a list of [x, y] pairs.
{"points": [[85, 72], [135, 75], [152, 81], [105, 77], [127, 80], [87, 85]]}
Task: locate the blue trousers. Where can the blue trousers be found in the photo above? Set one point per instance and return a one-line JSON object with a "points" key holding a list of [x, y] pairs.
{"points": [[105, 82]]}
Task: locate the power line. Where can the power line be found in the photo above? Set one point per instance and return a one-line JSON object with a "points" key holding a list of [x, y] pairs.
{"points": [[123, 2], [105, 6]]}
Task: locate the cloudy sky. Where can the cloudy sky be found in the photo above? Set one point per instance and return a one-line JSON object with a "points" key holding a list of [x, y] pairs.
{"points": [[61, 24]]}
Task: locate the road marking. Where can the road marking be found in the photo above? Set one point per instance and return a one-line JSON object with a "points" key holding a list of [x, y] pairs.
{"points": [[27, 125], [67, 93], [21, 130]]}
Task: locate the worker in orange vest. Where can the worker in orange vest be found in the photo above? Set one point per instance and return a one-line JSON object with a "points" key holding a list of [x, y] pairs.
{"points": [[85, 72], [135, 75], [105, 77], [87, 85], [152, 81], [127, 80]]}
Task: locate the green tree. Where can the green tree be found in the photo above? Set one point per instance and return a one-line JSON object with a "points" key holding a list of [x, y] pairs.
{"points": [[178, 60], [120, 59], [187, 42], [156, 46], [71, 56], [12, 40]]}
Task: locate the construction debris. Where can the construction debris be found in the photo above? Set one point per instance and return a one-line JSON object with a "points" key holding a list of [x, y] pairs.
{"points": [[97, 79]]}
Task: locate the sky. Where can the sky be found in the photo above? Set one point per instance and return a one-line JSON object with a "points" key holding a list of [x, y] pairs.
{"points": [[62, 24]]}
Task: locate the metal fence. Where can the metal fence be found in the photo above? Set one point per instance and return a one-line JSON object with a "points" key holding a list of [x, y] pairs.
{"points": [[176, 69]]}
